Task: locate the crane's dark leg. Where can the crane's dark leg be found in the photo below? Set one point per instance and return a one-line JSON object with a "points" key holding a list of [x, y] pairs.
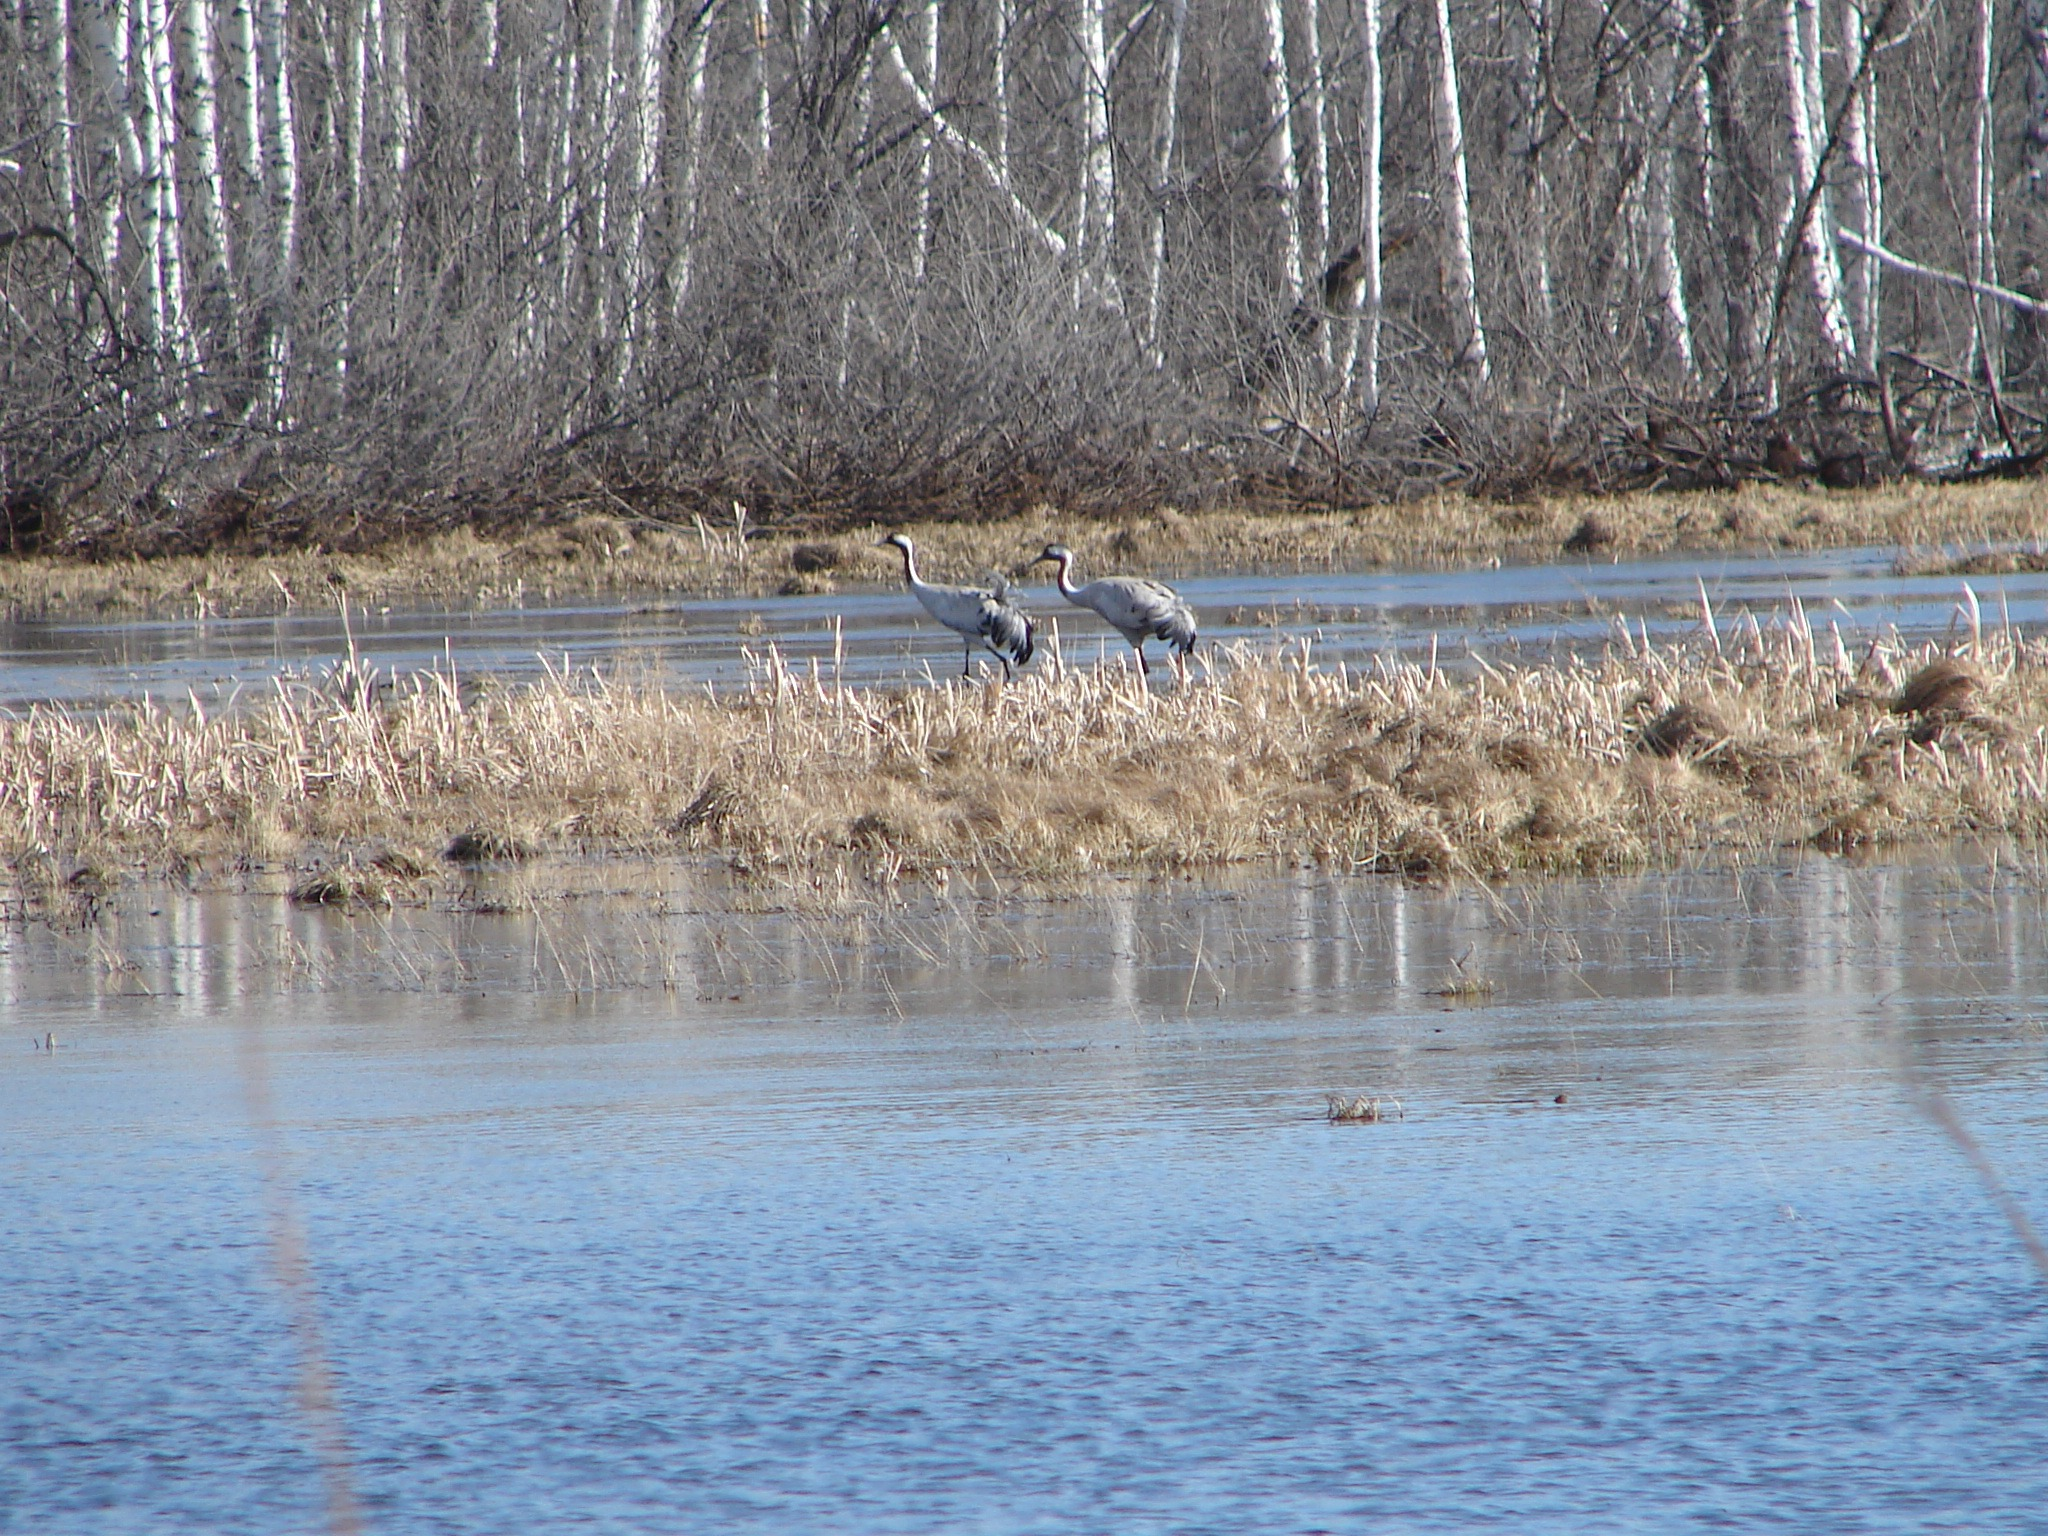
{"points": [[967, 659]]}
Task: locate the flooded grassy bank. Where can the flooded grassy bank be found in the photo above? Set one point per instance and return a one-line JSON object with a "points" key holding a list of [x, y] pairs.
{"points": [[625, 555], [1727, 747]]}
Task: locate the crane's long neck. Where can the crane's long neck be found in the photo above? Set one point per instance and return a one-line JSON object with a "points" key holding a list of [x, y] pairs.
{"points": [[910, 567], [1065, 578]]}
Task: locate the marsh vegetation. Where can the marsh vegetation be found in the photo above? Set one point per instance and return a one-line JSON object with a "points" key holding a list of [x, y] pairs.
{"points": [[1726, 747]]}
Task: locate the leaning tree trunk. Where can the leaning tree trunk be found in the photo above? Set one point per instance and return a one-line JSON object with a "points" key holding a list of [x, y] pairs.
{"points": [[1450, 126]]}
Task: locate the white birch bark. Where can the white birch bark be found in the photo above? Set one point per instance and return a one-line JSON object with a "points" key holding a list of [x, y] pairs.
{"points": [[281, 166], [1450, 125], [926, 165], [160, 149], [1054, 242], [566, 189], [1319, 156], [1281, 190], [354, 80], [145, 127], [1983, 247], [1165, 134], [1862, 190], [1530, 148], [202, 96], [1815, 236], [600, 160], [764, 115], [650, 46], [248, 94], [999, 87], [1667, 272], [690, 181], [1095, 223], [120, 150], [64, 188], [1371, 116]]}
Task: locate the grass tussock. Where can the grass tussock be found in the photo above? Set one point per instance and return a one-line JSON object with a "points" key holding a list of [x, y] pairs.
{"points": [[600, 555], [1729, 749]]}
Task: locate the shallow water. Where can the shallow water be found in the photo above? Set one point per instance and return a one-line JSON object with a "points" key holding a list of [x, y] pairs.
{"points": [[879, 635], [983, 1213]]}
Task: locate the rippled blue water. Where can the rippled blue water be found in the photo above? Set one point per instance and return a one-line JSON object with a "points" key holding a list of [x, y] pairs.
{"points": [[1032, 1224]]}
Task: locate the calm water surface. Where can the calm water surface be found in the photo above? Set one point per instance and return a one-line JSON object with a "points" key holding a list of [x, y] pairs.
{"points": [[877, 634], [1003, 1215]]}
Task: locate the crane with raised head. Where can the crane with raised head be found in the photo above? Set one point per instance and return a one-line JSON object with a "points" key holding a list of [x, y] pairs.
{"points": [[1136, 607], [984, 614]]}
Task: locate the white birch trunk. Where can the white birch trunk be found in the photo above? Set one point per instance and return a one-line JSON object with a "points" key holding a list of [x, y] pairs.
{"points": [[1815, 236], [145, 125], [1319, 157], [1282, 186], [248, 94], [764, 116], [354, 79], [1051, 239], [1450, 125], [64, 187], [926, 165], [281, 165], [160, 148], [1165, 134], [690, 181], [1667, 272], [567, 188], [1862, 192], [1362, 352], [120, 152], [1983, 246], [1530, 148], [999, 88], [601, 162], [202, 93], [650, 45], [1095, 225]]}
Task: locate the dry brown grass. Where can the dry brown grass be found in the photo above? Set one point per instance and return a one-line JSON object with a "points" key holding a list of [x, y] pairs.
{"points": [[600, 555], [1726, 749]]}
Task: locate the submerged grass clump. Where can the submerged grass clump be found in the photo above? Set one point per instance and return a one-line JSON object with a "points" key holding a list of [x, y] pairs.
{"points": [[1726, 748]]}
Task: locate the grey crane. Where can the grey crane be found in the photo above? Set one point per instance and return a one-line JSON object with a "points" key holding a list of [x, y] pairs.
{"points": [[1135, 607], [985, 614]]}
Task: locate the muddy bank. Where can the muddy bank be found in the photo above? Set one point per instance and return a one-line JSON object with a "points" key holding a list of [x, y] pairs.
{"points": [[620, 555]]}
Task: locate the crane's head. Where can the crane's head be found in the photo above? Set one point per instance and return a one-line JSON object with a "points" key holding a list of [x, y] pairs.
{"points": [[895, 541], [1058, 552]]}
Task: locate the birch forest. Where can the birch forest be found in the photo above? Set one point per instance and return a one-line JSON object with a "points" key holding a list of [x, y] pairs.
{"points": [[336, 269]]}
